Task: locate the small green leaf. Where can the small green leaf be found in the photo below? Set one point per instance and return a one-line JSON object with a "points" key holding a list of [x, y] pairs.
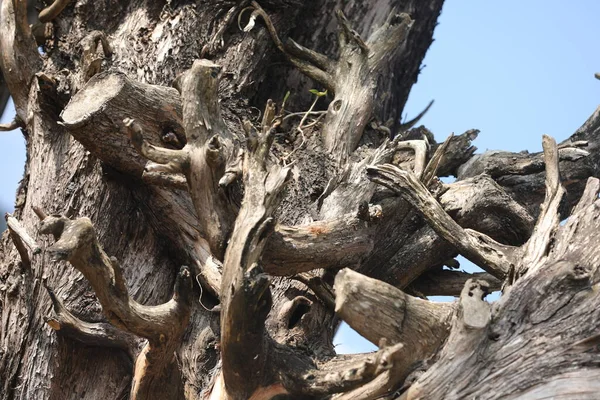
{"points": [[314, 91]]}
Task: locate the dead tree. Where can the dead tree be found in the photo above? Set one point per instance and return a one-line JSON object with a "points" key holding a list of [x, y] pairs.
{"points": [[185, 229]]}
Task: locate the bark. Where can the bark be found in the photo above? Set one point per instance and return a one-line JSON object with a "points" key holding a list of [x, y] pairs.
{"points": [[203, 241]]}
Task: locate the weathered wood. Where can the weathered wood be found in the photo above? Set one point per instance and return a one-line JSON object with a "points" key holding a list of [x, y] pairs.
{"points": [[490, 255], [449, 283], [19, 58], [351, 222], [361, 300], [352, 78], [91, 334], [94, 117], [420, 325], [538, 324], [245, 295], [162, 325]]}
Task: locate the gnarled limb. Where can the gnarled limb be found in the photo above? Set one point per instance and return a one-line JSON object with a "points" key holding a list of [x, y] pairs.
{"points": [[204, 159], [351, 188], [245, 293], [19, 58], [540, 324], [352, 78], [91, 334], [162, 325], [522, 174], [479, 248], [298, 56], [379, 243]]}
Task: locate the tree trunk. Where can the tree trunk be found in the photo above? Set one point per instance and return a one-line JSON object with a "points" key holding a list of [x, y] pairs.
{"points": [[183, 242]]}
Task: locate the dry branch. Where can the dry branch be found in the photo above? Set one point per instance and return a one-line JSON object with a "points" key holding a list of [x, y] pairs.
{"points": [[162, 325], [352, 78], [351, 189], [210, 149], [449, 283], [479, 248], [18, 231], [19, 57], [378, 311], [320, 244], [14, 124], [536, 247], [419, 324], [91, 334], [245, 293]]}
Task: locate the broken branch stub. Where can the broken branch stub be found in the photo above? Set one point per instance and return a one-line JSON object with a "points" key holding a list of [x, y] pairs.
{"points": [[94, 114], [419, 325]]}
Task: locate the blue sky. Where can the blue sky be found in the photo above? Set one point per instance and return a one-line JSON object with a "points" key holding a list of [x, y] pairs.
{"points": [[513, 69]]}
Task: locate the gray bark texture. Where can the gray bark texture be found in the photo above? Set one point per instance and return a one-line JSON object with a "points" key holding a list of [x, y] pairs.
{"points": [[194, 222]]}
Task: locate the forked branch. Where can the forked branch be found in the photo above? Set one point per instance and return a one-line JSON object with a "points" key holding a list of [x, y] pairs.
{"points": [[162, 325], [91, 334], [352, 78], [245, 293], [210, 159]]}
